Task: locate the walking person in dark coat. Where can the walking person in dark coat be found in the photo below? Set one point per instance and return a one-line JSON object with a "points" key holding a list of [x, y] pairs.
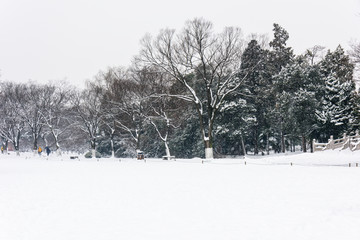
{"points": [[48, 151]]}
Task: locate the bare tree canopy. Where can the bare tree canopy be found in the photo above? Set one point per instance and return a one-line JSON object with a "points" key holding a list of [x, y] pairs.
{"points": [[355, 52], [203, 62]]}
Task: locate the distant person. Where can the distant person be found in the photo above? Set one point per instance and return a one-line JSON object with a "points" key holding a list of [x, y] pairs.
{"points": [[2, 149], [39, 151], [48, 150]]}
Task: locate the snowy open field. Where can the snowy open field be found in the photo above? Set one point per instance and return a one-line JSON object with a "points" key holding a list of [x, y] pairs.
{"points": [[316, 198]]}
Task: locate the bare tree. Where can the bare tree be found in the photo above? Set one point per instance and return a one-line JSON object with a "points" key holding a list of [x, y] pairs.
{"points": [[111, 93], [262, 40], [31, 111], [213, 60], [12, 125], [56, 99], [355, 52], [162, 118], [162, 111], [26, 101], [125, 101], [87, 107], [355, 56], [315, 54], [110, 126], [130, 102]]}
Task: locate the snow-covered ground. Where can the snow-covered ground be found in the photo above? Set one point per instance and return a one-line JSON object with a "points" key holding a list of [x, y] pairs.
{"points": [[318, 197]]}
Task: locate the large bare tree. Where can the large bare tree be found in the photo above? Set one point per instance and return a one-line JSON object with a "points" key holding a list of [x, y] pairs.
{"points": [[355, 55], [125, 101], [56, 99], [205, 63], [355, 52], [88, 110], [12, 125], [27, 102], [163, 112]]}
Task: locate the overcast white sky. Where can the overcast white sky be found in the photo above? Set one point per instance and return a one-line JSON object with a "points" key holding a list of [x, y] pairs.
{"points": [[73, 39]]}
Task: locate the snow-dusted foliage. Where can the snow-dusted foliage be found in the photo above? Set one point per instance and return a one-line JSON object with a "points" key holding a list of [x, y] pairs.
{"points": [[203, 62], [89, 114], [336, 112], [335, 109], [125, 104], [56, 114], [243, 113], [12, 125], [296, 91], [24, 105], [188, 90]]}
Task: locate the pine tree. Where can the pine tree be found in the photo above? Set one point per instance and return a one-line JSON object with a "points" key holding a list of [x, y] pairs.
{"points": [[244, 114], [234, 117], [258, 97], [279, 57], [296, 86], [337, 64], [336, 113], [355, 120]]}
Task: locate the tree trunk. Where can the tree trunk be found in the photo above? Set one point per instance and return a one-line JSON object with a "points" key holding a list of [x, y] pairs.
{"points": [[294, 146], [138, 142], [209, 153], [16, 146], [242, 144], [303, 143], [6, 147], [35, 145], [282, 142], [93, 148], [256, 147], [17, 143], [46, 142], [267, 144], [58, 152], [57, 145], [112, 148], [167, 150]]}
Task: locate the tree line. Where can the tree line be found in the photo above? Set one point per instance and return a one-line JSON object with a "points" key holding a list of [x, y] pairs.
{"points": [[193, 93]]}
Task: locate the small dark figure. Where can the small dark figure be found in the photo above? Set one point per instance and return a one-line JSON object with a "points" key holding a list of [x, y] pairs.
{"points": [[48, 151]]}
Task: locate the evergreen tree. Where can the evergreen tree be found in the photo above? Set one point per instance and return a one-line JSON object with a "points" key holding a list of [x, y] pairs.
{"points": [[355, 103], [337, 64], [296, 87], [257, 96], [234, 117], [243, 117], [279, 56], [186, 142], [336, 113]]}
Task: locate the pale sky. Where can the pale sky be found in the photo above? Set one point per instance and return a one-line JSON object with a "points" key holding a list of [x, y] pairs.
{"points": [[46, 40]]}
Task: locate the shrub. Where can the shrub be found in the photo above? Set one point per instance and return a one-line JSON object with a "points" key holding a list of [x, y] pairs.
{"points": [[89, 155]]}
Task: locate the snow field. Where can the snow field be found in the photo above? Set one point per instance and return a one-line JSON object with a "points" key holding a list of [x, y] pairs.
{"points": [[88, 200]]}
